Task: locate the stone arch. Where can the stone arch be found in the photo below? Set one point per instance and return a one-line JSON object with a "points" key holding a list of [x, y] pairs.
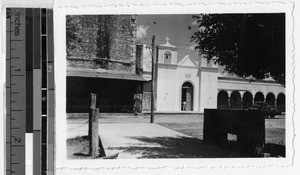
{"points": [[259, 97], [247, 100], [281, 102], [270, 99], [187, 96], [235, 100], [222, 100]]}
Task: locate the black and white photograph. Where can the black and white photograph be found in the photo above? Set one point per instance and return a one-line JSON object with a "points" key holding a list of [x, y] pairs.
{"points": [[156, 86], [149, 87]]}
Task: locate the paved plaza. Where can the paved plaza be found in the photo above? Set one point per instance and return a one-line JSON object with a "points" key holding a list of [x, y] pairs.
{"points": [[171, 136]]}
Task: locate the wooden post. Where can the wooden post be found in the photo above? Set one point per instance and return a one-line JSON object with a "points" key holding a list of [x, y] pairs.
{"points": [[152, 81], [93, 100], [93, 128]]}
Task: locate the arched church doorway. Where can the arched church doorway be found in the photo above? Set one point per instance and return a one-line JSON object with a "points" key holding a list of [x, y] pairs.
{"points": [[235, 100], [259, 97], [222, 100], [187, 93], [247, 100], [270, 99], [281, 102]]}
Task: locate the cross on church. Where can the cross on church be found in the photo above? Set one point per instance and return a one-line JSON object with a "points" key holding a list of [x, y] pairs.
{"points": [[168, 44], [167, 39]]}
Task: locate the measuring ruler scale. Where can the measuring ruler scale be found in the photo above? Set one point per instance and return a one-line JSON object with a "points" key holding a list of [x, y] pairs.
{"points": [[15, 91], [29, 91]]}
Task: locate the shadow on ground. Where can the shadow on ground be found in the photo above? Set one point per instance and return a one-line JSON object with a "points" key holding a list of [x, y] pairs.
{"points": [[78, 148], [275, 150], [181, 147], [170, 147]]}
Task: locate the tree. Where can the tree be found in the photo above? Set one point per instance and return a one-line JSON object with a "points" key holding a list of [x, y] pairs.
{"points": [[248, 45]]}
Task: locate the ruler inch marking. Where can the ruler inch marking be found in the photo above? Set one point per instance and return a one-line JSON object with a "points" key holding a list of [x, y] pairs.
{"points": [[16, 122], [30, 88], [8, 54]]}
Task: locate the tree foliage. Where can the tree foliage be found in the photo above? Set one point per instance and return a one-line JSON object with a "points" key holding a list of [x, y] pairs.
{"points": [[248, 45]]}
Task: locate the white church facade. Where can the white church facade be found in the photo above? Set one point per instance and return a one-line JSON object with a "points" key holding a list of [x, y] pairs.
{"points": [[185, 82]]}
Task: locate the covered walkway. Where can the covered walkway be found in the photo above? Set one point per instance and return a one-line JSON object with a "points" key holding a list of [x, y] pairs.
{"points": [[237, 93]]}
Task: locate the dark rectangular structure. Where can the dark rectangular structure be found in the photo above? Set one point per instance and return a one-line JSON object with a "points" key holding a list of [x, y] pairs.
{"points": [[113, 95], [249, 126]]}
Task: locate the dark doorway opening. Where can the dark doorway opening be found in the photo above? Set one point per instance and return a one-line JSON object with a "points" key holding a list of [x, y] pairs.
{"points": [[281, 102], [222, 102], [235, 100], [247, 100], [270, 99], [187, 96], [113, 95], [259, 97]]}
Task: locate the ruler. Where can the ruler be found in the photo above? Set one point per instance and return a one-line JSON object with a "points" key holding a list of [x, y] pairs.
{"points": [[29, 89], [15, 91]]}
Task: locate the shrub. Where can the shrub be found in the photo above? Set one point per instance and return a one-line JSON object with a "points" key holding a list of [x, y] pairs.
{"points": [[269, 111]]}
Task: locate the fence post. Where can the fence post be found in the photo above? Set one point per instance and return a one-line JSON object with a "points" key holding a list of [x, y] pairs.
{"points": [[93, 128]]}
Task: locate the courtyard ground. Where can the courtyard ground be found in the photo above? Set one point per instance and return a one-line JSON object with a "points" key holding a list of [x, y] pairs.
{"points": [[171, 136]]}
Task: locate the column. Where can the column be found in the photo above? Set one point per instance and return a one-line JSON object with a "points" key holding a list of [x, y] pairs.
{"points": [[229, 97]]}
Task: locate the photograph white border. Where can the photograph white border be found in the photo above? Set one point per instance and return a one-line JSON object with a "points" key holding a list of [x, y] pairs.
{"points": [[60, 71], [291, 165]]}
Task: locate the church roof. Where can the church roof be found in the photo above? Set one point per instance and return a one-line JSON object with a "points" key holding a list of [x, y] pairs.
{"points": [[182, 53], [186, 58]]}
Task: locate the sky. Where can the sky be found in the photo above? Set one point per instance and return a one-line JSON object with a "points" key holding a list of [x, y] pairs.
{"points": [[176, 27]]}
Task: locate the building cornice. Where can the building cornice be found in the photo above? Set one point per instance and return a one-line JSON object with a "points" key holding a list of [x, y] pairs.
{"points": [[247, 80], [164, 65], [167, 48], [190, 67], [209, 69]]}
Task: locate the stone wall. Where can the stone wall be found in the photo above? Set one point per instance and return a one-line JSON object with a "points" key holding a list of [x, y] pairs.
{"points": [[111, 39], [139, 59]]}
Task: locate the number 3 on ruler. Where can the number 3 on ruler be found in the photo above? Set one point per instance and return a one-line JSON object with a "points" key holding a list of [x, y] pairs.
{"points": [[49, 69]]}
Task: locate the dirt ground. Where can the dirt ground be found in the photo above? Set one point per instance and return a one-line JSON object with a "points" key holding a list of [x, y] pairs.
{"points": [[192, 125]]}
